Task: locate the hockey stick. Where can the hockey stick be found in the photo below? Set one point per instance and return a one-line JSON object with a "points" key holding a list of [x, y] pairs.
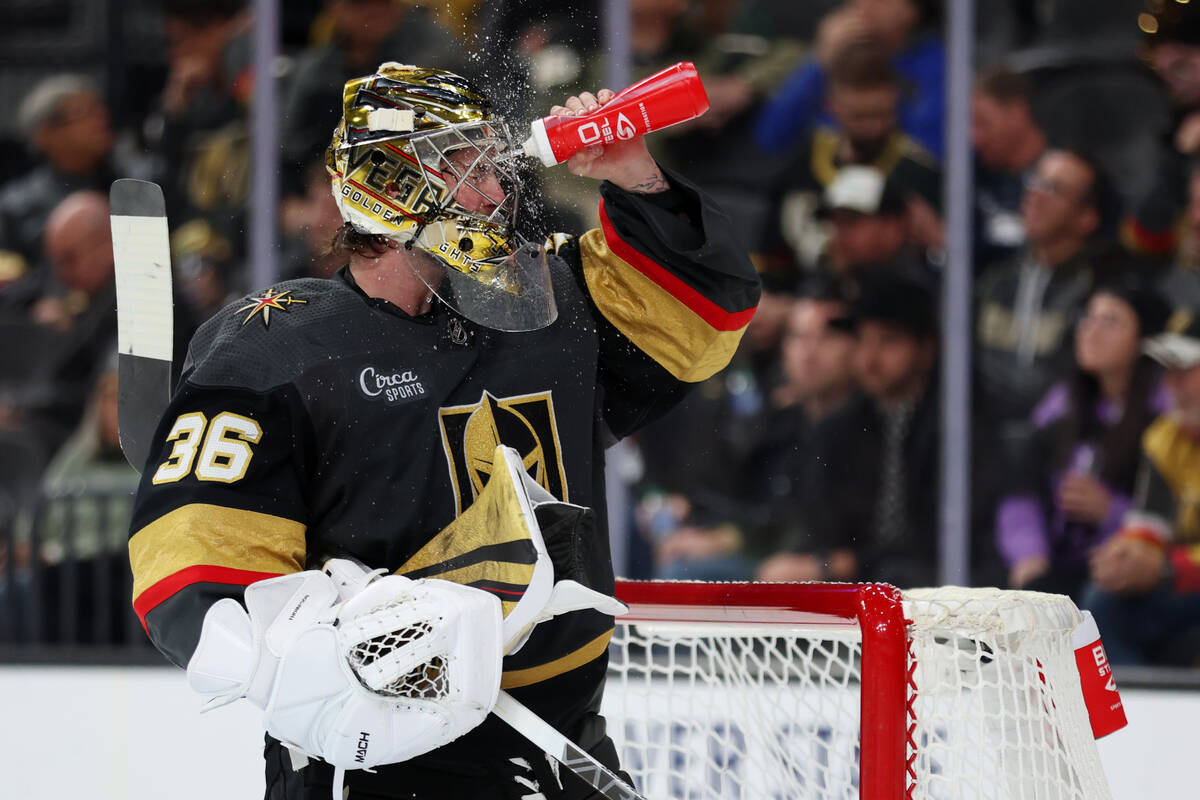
{"points": [[562, 749], [145, 320]]}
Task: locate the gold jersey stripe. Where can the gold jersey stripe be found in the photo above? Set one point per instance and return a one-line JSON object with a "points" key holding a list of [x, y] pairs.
{"points": [[495, 571], [659, 324], [200, 533], [513, 679], [495, 518]]}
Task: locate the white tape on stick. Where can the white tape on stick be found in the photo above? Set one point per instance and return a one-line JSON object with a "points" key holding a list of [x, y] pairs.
{"points": [[144, 288]]}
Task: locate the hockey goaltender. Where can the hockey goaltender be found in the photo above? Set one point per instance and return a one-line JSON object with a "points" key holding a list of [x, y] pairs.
{"points": [[367, 491]]}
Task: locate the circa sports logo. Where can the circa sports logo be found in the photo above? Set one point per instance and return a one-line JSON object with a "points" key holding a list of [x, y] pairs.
{"points": [[394, 386]]}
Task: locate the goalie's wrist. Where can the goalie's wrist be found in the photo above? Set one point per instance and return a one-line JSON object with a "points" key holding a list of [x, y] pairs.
{"points": [[240, 646]]}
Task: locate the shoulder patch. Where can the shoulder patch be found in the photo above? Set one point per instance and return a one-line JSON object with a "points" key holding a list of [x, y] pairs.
{"points": [[233, 348], [260, 305]]}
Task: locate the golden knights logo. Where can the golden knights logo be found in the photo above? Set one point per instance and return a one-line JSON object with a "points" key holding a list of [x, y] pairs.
{"points": [[269, 299], [526, 423]]}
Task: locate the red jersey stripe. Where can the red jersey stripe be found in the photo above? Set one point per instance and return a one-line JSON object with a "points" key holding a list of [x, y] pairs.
{"points": [[148, 600], [701, 306]]}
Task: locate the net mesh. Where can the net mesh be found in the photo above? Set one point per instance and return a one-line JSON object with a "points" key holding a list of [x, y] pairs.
{"points": [[734, 716], [721, 710], [998, 707]]}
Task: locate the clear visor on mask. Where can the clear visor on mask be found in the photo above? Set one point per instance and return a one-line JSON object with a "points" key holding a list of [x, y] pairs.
{"points": [[508, 293]]}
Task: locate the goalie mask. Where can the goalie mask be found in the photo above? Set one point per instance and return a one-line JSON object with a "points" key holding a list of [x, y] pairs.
{"points": [[419, 158]]}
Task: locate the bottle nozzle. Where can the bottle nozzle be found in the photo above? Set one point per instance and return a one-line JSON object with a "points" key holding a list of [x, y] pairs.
{"points": [[538, 145]]}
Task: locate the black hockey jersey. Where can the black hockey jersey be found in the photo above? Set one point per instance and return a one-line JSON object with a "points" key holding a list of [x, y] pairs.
{"points": [[314, 421]]}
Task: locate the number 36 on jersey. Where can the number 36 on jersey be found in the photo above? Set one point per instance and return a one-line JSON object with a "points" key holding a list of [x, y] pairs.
{"points": [[216, 450]]}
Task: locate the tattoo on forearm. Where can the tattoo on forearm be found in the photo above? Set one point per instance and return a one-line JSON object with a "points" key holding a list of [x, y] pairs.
{"points": [[652, 185]]}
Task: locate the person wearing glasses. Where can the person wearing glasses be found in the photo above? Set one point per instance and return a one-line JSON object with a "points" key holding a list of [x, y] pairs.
{"points": [[1027, 307]]}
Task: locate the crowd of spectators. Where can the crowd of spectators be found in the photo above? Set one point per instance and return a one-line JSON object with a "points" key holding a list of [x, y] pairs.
{"points": [[815, 455]]}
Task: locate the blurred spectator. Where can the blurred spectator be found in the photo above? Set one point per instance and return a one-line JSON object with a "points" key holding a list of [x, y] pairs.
{"points": [[363, 34], [1145, 590], [90, 462], [1027, 307], [79, 247], [1076, 481], [686, 511], [1008, 143], [309, 223], [757, 357], [1172, 49], [692, 509], [817, 356], [863, 96], [905, 31], [82, 307], [203, 260], [872, 229], [873, 493], [1180, 279], [199, 131], [67, 124], [80, 528], [750, 508]]}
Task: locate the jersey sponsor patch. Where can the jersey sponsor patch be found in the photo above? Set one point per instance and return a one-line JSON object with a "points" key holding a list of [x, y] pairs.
{"points": [[525, 423], [261, 305], [391, 386]]}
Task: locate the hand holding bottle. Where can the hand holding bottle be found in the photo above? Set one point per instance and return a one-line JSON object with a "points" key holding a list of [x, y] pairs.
{"points": [[627, 163], [600, 135]]}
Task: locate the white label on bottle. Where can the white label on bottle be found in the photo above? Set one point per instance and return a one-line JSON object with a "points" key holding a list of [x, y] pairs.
{"points": [[589, 133], [645, 117]]}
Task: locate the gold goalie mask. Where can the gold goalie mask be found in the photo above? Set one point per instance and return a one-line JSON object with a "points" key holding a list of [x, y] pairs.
{"points": [[418, 157]]}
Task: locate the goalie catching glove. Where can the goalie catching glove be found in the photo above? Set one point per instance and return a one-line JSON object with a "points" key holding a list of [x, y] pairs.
{"points": [[399, 669], [362, 670]]}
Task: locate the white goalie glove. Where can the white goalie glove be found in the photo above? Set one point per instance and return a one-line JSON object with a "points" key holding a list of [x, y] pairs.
{"points": [[362, 670], [399, 669]]}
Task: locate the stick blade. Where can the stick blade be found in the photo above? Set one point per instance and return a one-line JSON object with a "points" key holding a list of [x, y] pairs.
{"points": [[145, 313], [128, 197]]}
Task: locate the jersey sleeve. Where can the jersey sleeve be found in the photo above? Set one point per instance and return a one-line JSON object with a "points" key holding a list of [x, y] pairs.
{"points": [[673, 289], [220, 506]]}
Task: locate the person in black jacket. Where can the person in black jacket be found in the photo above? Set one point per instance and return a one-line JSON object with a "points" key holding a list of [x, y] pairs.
{"points": [[873, 491], [1027, 307]]}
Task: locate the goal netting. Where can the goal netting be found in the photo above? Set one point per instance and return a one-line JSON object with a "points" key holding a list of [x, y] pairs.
{"points": [[849, 690]]}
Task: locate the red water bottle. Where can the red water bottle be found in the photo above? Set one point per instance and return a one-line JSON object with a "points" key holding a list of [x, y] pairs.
{"points": [[1105, 710], [665, 98]]}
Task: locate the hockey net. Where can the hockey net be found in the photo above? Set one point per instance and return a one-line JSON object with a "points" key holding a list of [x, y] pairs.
{"points": [[845, 691]]}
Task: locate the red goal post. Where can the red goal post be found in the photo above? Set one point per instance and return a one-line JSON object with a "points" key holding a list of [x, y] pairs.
{"points": [[848, 690]]}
